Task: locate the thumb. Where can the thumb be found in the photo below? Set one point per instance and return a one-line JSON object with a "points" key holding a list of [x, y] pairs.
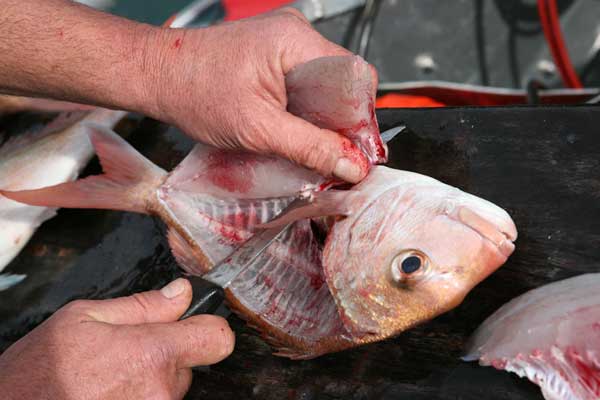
{"points": [[165, 305], [195, 341], [322, 150]]}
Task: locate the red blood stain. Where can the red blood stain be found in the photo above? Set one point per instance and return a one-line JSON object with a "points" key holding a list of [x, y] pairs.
{"points": [[177, 43], [596, 326], [327, 184], [268, 281], [232, 171], [370, 136], [588, 374], [294, 321], [230, 234], [61, 33], [316, 281], [352, 153], [498, 364], [537, 353]]}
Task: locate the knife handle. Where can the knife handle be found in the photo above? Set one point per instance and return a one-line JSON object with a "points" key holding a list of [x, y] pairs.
{"points": [[206, 297]]}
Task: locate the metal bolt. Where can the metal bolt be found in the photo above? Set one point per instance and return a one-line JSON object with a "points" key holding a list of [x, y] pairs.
{"points": [[425, 63], [547, 68]]}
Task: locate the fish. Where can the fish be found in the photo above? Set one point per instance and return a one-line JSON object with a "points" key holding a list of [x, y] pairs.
{"points": [[48, 155], [357, 265], [549, 335]]}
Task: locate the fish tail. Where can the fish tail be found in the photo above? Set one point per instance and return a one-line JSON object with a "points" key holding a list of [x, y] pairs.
{"points": [[128, 182], [9, 280]]}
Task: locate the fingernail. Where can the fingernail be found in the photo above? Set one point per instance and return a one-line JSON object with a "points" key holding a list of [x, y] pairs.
{"points": [[173, 289], [347, 170]]}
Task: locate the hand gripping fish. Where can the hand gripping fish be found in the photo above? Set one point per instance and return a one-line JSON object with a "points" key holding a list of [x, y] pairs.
{"points": [[551, 335], [402, 248]]}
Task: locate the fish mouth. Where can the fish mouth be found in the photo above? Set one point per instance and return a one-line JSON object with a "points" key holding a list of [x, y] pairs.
{"points": [[501, 234]]}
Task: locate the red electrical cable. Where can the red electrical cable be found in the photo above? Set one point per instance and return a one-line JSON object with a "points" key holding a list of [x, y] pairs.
{"points": [[551, 25]]}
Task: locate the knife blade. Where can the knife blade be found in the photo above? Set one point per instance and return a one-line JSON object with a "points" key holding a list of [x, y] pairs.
{"points": [[208, 291]]}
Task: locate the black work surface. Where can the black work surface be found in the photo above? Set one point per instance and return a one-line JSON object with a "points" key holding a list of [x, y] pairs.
{"points": [[541, 164]]}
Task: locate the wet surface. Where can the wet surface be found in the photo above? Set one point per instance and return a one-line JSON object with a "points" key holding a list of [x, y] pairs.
{"points": [[541, 164]]}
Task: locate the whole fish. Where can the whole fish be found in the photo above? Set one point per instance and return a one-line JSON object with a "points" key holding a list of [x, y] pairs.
{"points": [[550, 335], [53, 154], [402, 248]]}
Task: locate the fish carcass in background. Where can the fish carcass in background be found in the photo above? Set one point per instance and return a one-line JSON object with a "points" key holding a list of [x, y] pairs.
{"points": [[403, 249], [14, 104], [550, 335], [53, 154]]}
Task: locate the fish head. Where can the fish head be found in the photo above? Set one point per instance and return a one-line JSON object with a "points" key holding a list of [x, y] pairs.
{"points": [[411, 250]]}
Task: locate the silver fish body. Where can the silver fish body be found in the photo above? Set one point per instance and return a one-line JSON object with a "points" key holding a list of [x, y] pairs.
{"points": [[54, 154]]}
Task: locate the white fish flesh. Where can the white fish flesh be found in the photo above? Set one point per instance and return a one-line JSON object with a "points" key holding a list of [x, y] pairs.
{"points": [[550, 335]]}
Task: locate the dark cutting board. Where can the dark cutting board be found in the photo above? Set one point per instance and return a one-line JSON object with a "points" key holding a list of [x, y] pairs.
{"points": [[541, 164]]}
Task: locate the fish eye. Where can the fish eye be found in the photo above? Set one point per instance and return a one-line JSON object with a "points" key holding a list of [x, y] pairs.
{"points": [[411, 264], [408, 265]]}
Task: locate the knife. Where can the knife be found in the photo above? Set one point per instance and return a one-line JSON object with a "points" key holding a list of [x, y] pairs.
{"points": [[208, 291]]}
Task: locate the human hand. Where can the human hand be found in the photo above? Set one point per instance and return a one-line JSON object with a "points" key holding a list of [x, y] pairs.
{"points": [[225, 85], [124, 348]]}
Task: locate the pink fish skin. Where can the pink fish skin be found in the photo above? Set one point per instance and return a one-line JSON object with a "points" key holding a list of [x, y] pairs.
{"points": [[307, 295], [350, 82], [550, 335]]}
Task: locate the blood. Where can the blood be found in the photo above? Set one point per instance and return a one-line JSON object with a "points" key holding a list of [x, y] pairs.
{"points": [[177, 43], [268, 281], [370, 129], [537, 353], [230, 234], [316, 281], [352, 153], [498, 364], [327, 184], [588, 374], [232, 171], [61, 33]]}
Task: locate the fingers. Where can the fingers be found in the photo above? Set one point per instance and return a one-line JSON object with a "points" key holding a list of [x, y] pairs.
{"points": [[195, 341], [164, 305], [327, 152]]}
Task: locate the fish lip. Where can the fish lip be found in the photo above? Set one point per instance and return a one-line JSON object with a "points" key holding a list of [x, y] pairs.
{"points": [[501, 239]]}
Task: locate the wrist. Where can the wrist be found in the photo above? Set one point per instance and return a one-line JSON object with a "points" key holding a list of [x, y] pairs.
{"points": [[163, 53], [139, 91]]}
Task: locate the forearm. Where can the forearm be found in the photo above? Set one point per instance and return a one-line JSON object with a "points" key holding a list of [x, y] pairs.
{"points": [[62, 50]]}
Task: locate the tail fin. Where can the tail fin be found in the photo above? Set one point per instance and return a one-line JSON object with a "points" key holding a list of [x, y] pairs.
{"points": [[127, 183], [9, 280]]}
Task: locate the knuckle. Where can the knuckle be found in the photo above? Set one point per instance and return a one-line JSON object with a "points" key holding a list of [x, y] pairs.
{"points": [[142, 303], [76, 307]]}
